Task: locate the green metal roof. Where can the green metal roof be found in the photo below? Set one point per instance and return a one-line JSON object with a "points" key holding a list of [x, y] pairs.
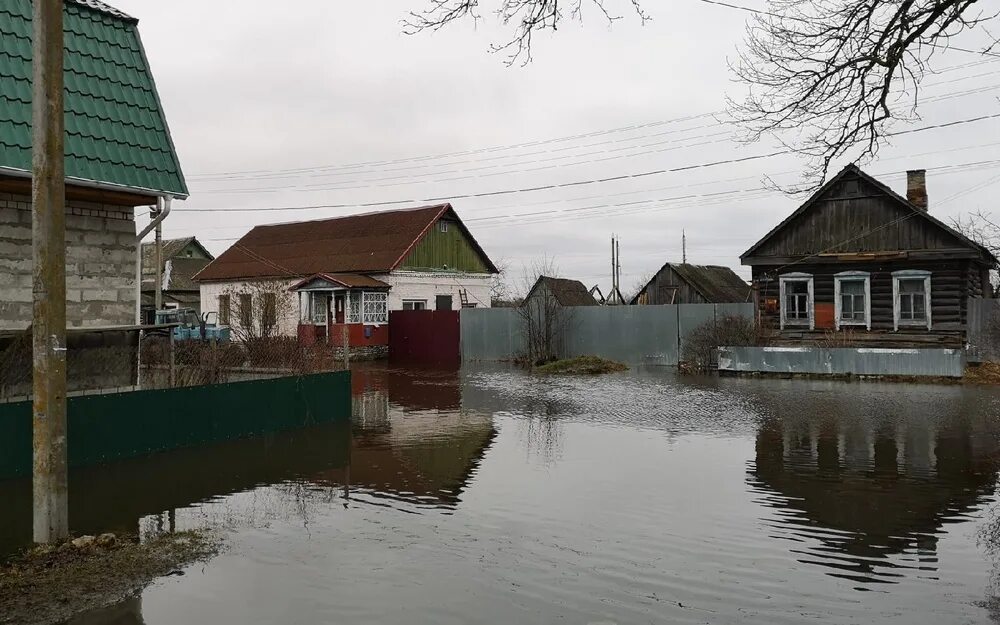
{"points": [[116, 133]]}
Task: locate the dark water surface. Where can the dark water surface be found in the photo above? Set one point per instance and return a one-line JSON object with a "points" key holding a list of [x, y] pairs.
{"points": [[488, 496]]}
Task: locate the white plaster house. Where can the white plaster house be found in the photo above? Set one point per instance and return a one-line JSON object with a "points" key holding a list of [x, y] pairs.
{"points": [[352, 271]]}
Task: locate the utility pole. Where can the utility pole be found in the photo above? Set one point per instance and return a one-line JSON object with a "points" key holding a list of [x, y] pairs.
{"points": [[48, 200], [684, 247], [618, 270], [614, 278]]}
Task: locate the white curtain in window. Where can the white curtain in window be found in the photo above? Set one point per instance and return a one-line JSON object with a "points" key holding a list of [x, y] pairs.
{"points": [[375, 307]]}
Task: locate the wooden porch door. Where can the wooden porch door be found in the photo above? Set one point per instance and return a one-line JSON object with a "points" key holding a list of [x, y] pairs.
{"points": [[338, 307]]}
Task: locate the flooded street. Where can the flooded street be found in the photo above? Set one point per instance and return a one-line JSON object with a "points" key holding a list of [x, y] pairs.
{"points": [[490, 496]]}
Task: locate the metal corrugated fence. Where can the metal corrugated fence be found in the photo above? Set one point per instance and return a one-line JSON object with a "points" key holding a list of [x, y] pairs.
{"points": [[984, 326], [631, 334], [102, 428], [843, 361]]}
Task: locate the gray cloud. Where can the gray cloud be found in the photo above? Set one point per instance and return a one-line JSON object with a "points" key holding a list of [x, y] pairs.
{"points": [[259, 86]]}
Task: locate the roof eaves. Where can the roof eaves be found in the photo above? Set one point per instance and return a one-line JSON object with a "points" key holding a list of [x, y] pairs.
{"points": [[163, 119]]}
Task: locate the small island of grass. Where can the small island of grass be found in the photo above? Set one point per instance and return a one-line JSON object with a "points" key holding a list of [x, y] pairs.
{"points": [[581, 365]]}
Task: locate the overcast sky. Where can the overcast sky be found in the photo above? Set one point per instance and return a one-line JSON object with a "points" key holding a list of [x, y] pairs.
{"points": [[328, 88]]}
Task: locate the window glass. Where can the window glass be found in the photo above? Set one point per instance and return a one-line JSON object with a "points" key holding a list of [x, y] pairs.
{"points": [[224, 309], [318, 308], [911, 299], [417, 304], [797, 300], [246, 310], [852, 300]]}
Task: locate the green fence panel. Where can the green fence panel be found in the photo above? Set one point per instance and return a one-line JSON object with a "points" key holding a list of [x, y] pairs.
{"points": [[102, 428]]}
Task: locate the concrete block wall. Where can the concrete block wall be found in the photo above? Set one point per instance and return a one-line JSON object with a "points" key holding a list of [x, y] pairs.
{"points": [[100, 264]]}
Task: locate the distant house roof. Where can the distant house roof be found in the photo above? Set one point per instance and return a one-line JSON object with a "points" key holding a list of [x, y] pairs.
{"points": [[717, 284], [170, 249], [367, 243], [116, 132], [855, 170], [178, 271], [566, 292], [345, 280]]}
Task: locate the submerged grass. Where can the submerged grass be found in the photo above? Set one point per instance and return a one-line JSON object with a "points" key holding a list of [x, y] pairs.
{"points": [[581, 365], [51, 584]]}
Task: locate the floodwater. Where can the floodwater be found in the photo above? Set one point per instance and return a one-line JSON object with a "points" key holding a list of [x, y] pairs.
{"points": [[490, 496]]}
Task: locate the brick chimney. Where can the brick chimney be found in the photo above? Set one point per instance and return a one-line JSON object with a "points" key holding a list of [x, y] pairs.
{"points": [[916, 188]]}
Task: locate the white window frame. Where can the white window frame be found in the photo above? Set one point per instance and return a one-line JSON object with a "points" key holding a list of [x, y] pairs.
{"points": [[810, 301], [443, 226], [422, 302], [375, 307], [910, 274], [852, 276], [307, 307]]}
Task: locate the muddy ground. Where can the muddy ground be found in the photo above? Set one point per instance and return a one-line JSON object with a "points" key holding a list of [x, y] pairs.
{"points": [[50, 585]]}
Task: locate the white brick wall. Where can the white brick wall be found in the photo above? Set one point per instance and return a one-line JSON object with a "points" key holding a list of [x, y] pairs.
{"points": [[417, 285]]}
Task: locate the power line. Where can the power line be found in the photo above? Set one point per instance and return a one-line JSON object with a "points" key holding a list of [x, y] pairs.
{"points": [[565, 184], [628, 208]]}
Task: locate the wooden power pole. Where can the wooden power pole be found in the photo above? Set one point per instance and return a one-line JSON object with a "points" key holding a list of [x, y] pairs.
{"points": [[48, 191]]}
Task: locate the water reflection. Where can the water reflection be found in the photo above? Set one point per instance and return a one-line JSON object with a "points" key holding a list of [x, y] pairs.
{"points": [[127, 612], [864, 490], [408, 441]]}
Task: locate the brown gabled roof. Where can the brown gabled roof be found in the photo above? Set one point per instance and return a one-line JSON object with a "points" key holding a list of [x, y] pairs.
{"points": [[367, 243], [566, 292], [851, 168], [347, 280], [717, 284]]}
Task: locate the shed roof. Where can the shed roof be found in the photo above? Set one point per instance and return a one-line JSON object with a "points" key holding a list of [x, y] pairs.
{"points": [[566, 292], [116, 132], [717, 284], [366, 243], [917, 213]]}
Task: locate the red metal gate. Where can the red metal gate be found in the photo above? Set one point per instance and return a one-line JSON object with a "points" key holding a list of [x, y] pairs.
{"points": [[425, 338]]}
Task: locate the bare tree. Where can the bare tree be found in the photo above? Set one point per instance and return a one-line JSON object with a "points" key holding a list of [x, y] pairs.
{"points": [[258, 309], [528, 17], [982, 228], [827, 77], [544, 320], [500, 292]]}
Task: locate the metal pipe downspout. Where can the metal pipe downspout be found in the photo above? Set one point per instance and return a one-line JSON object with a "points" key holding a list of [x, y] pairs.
{"points": [[162, 210]]}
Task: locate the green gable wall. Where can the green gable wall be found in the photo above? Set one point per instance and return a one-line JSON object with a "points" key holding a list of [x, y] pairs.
{"points": [[115, 129], [451, 248]]}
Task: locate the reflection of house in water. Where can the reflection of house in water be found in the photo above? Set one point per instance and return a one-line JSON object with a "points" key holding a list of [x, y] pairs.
{"points": [[411, 440], [867, 489]]}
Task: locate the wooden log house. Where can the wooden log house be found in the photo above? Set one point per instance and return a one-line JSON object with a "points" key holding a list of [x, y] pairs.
{"points": [[858, 263]]}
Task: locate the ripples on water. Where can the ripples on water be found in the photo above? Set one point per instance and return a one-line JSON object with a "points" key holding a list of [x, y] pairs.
{"points": [[491, 496]]}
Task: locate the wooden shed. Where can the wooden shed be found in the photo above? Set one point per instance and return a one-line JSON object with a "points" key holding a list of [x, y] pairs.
{"points": [[857, 257], [682, 283]]}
